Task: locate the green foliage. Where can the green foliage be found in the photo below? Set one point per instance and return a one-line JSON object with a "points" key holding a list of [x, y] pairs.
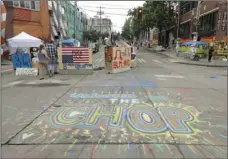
{"points": [[127, 31], [154, 14], [104, 35], [91, 35]]}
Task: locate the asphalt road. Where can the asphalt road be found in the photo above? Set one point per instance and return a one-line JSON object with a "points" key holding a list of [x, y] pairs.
{"points": [[159, 109]]}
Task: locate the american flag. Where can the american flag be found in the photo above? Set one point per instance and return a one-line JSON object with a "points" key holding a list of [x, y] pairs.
{"points": [[77, 55]]}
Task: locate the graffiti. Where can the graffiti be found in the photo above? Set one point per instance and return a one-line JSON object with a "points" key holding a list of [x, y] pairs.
{"points": [[176, 119], [142, 119], [26, 71], [121, 64], [104, 96], [21, 60]]}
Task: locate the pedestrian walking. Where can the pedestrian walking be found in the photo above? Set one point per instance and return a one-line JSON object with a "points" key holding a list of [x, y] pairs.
{"points": [[43, 62], [34, 56], [211, 51], [51, 49]]}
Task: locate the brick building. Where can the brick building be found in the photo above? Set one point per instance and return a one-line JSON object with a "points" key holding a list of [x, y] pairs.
{"points": [[212, 26], [31, 17]]}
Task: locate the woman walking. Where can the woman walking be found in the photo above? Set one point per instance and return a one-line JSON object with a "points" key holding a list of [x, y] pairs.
{"points": [[43, 62]]}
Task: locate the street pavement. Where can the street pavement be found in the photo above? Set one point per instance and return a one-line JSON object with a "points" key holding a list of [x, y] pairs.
{"points": [[183, 59], [98, 59], [159, 109]]}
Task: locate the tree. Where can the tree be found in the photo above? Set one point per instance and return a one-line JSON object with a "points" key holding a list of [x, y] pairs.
{"points": [[104, 35], [157, 14], [91, 35], [126, 30]]}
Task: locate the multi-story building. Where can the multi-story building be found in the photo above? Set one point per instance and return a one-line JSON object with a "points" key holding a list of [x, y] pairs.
{"points": [[211, 26], [79, 26], [69, 18], [84, 21], [28, 16], [102, 25]]}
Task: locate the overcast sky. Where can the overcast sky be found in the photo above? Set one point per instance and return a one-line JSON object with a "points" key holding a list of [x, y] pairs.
{"points": [[110, 8]]}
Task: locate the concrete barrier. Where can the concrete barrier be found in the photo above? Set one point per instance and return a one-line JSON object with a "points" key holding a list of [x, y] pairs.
{"points": [[117, 59], [75, 61]]}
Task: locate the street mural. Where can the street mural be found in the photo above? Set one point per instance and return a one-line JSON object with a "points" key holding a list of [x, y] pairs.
{"points": [[129, 118]]}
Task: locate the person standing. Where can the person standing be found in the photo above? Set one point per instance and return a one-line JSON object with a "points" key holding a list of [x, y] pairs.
{"points": [[52, 53], [211, 51], [43, 62]]}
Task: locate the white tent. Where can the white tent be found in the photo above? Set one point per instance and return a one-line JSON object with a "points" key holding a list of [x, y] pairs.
{"points": [[24, 40]]}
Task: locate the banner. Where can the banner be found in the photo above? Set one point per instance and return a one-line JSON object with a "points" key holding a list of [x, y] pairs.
{"points": [[75, 58], [21, 60], [117, 59]]}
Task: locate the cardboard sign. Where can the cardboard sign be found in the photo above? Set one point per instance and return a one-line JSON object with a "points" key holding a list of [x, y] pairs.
{"points": [[26, 72]]}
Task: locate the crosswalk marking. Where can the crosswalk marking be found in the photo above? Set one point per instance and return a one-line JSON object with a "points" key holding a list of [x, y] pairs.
{"points": [[141, 60], [156, 61], [169, 76], [12, 84]]}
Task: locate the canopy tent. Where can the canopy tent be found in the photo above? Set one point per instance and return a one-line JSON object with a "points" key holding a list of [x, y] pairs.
{"points": [[189, 43], [24, 40]]}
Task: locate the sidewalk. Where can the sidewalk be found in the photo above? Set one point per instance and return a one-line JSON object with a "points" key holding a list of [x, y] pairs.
{"points": [[6, 68], [183, 60]]}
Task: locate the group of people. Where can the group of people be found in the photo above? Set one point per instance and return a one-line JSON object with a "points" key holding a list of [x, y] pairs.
{"points": [[46, 59]]}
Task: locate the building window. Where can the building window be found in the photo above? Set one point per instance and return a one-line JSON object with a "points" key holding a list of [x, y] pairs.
{"points": [[186, 6], [33, 5], [185, 29], [22, 4], [208, 22]]}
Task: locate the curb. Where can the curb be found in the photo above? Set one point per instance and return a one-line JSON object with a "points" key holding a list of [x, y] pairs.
{"points": [[4, 72], [198, 64], [159, 52], [188, 63]]}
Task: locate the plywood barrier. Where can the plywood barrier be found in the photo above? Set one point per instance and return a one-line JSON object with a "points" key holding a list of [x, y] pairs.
{"points": [[117, 59], [75, 60]]}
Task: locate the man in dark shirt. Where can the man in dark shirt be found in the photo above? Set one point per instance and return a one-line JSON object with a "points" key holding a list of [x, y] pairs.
{"points": [[211, 51]]}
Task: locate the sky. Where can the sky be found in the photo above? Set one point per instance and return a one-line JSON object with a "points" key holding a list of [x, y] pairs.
{"points": [[110, 8]]}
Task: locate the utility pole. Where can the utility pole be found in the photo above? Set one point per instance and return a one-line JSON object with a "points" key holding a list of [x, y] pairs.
{"points": [[75, 16], [100, 20], [100, 13], [197, 17], [178, 19], [58, 18]]}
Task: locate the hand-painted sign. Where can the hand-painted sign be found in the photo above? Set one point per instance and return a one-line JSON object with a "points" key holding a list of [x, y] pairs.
{"points": [[118, 59], [75, 58], [26, 71], [21, 60]]}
